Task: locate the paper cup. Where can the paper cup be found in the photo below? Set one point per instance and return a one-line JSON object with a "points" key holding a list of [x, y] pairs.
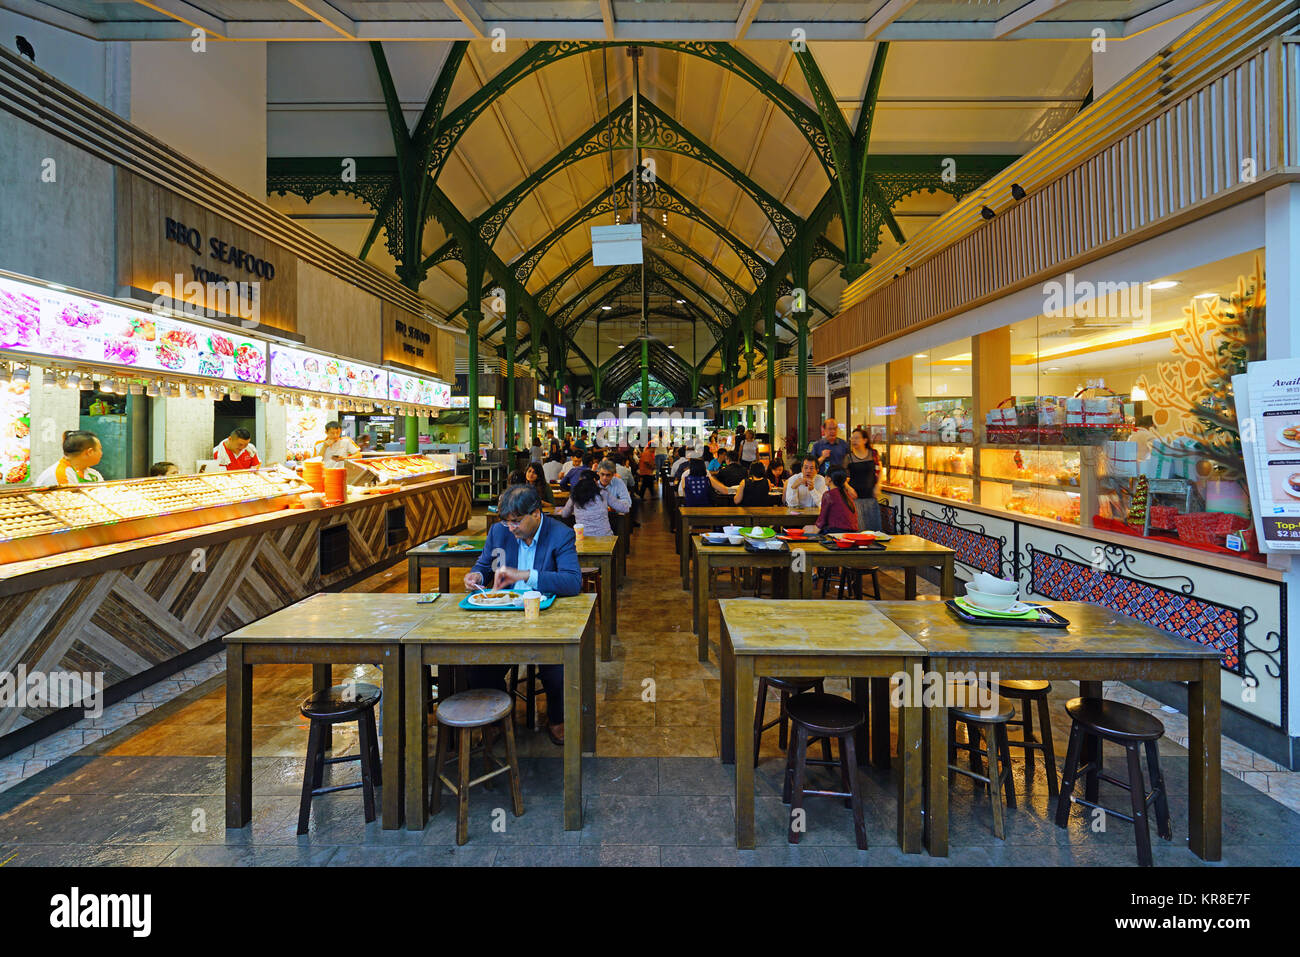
{"points": [[453, 541], [532, 605], [579, 532]]}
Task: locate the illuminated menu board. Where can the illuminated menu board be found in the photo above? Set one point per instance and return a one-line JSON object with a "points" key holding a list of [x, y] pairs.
{"points": [[418, 391], [46, 322], [296, 369]]}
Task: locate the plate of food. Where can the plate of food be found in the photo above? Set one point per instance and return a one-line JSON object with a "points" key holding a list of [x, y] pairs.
{"points": [[758, 533], [494, 599], [1293, 485], [1289, 436]]}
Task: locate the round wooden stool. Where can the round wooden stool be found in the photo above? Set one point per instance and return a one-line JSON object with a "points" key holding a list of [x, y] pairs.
{"points": [[1029, 693], [994, 726], [816, 715], [347, 702], [1094, 720], [788, 688], [478, 708]]}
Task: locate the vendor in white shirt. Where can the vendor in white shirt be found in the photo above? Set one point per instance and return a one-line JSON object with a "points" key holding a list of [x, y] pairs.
{"points": [[806, 487], [336, 446]]}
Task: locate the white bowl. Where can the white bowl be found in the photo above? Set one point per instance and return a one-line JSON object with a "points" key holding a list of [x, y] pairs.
{"points": [[995, 586], [735, 539], [990, 600], [730, 529]]}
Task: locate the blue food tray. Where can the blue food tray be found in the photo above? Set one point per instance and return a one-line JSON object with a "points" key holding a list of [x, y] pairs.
{"points": [[547, 602]]}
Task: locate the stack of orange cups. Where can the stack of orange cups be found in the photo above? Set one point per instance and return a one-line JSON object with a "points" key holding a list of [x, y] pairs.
{"points": [[311, 474], [335, 485]]}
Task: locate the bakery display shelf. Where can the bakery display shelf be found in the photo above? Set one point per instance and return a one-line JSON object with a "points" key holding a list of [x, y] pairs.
{"points": [[1032, 483]]}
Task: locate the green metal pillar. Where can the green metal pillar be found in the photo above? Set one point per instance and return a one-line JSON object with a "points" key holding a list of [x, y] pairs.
{"points": [[769, 328], [750, 358], [801, 325], [512, 312], [645, 377], [412, 434], [473, 315], [535, 360]]}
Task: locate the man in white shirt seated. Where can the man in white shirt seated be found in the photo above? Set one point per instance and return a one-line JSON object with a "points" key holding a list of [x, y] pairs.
{"points": [[575, 461], [805, 488], [679, 464], [552, 470]]}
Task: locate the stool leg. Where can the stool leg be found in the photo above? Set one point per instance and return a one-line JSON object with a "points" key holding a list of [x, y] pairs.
{"points": [[1004, 746], [788, 777], [952, 739], [1028, 728], [365, 743], [376, 768], [462, 788], [995, 772], [1068, 776], [875, 582], [760, 710], [826, 750], [1093, 754], [849, 763], [1049, 749], [783, 728], [1138, 792], [973, 739], [845, 782], [1163, 827], [799, 745], [439, 759], [309, 775], [516, 792]]}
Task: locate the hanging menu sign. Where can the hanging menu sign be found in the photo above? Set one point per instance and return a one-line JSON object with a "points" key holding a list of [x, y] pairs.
{"points": [[43, 321], [296, 369], [1270, 438], [418, 391]]}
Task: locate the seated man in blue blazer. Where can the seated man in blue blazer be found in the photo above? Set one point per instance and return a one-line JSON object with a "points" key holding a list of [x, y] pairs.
{"points": [[524, 547]]}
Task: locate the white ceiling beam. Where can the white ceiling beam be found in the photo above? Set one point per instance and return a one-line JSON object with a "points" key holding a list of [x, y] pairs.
{"points": [[328, 15], [607, 17], [468, 16], [883, 17], [747, 14], [53, 16], [1024, 16], [127, 30], [187, 13]]}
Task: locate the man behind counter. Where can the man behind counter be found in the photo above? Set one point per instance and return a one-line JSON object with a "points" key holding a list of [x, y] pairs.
{"points": [[81, 450], [237, 452], [336, 446]]}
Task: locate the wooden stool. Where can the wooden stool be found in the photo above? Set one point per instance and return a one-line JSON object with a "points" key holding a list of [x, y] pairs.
{"points": [[347, 702], [532, 691], [817, 715], [849, 579], [994, 726], [1027, 693], [1094, 720], [477, 708], [788, 687]]}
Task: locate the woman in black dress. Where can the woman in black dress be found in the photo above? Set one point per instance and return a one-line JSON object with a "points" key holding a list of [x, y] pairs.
{"points": [[861, 465]]}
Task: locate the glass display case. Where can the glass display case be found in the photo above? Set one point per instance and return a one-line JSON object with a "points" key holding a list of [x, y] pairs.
{"points": [[48, 520], [906, 467], [948, 471], [392, 470], [1050, 483]]}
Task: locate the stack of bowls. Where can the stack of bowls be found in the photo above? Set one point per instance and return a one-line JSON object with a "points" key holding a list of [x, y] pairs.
{"points": [[312, 470], [995, 594], [336, 488]]}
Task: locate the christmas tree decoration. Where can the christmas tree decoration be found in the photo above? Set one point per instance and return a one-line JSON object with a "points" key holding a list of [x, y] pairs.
{"points": [[1137, 511]]}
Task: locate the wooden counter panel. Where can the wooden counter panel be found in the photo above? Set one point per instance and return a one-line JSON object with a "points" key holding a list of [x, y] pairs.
{"points": [[139, 607]]}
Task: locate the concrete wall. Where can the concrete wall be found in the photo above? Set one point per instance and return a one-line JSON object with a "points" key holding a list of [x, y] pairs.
{"points": [[100, 71], [182, 431], [210, 106], [61, 231], [54, 411]]}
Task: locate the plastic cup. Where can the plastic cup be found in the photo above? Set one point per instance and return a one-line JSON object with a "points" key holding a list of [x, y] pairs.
{"points": [[453, 541], [532, 605], [579, 532]]}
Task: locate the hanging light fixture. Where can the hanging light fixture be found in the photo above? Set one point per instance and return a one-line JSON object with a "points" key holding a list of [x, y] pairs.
{"points": [[19, 373], [49, 377], [151, 390]]}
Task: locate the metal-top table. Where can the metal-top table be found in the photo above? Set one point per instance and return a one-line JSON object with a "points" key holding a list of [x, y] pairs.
{"points": [[698, 516], [324, 630], [601, 551], [813, 640], [563, 634], [1100, 644]]}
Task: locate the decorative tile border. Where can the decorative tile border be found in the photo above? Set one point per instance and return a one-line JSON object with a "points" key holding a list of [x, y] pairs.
{"points": [[974, 548]]}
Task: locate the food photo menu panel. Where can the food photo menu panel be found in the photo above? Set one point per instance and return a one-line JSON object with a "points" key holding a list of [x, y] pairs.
{"points": [[45, 322]]}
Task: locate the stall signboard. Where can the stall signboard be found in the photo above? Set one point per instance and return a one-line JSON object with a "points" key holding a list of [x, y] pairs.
{"points": [[15, 432], [296, 369], [1270, 438], [559, 411], [459, 402], [418, 391], [65, 326], [540, 406], [487, 402]]}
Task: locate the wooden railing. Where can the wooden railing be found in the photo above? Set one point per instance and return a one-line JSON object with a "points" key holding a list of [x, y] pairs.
{"points": [[1138, 160]]}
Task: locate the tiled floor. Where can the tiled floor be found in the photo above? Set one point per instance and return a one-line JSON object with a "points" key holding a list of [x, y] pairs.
{"points": [[143, 784]]}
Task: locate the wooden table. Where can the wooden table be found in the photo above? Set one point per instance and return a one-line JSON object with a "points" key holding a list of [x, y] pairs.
{"points": [[668, 495], [908, 552], [563, 634], [430, 555], [603, 551], [708, 557], [1100, 644], [699, 516], [814, 640], [324, 630]]}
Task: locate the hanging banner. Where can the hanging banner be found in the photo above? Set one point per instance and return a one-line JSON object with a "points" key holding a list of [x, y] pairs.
{"points": [[1270, 439], [418, 391], [296, 369]]}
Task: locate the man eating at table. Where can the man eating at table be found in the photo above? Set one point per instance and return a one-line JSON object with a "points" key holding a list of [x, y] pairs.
{"points": [[524, 547]]}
